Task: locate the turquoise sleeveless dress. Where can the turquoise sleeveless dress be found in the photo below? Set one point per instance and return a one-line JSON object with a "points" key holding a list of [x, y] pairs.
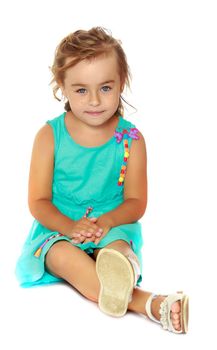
{"points": [[83, 177]]}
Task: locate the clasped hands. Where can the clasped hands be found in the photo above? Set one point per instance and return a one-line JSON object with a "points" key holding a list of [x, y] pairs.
{"points": [[90, 229]]}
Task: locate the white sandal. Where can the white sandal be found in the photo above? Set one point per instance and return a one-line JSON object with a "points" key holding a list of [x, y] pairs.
{"points": [[165, 309], [118, 276]]}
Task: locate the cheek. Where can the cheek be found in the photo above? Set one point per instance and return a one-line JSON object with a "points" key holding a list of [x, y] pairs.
{"points": [[114, 98], [76, 100]]}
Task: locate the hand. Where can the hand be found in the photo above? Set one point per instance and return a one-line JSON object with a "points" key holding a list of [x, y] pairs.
{"points": [[83, 228], [104, 222]]}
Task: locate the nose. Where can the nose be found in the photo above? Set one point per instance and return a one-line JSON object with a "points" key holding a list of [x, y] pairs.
{"points": [[94, 99]]}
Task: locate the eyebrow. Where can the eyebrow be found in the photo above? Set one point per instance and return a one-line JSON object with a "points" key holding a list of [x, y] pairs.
{"points": [[104, 82]]}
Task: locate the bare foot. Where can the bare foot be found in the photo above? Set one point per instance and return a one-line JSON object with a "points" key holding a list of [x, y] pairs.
{"points": [[175, 313]]}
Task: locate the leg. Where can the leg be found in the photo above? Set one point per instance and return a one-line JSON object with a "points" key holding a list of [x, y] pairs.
{"points": [[75, 266], [139, 297]]}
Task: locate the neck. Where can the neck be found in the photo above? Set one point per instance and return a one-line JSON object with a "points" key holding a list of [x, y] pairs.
{"points": [[93, 129]]}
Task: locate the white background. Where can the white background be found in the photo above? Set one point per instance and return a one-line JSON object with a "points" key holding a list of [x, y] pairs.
{"points": [[171, 49]]}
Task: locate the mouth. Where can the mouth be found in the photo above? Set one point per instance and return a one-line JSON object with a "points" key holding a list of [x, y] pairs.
{"points": [[94, 113]]}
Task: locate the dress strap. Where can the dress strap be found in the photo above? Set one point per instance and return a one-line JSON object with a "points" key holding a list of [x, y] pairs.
{"points": [[124, 135]]}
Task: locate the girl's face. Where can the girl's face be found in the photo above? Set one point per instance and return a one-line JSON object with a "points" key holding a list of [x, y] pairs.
{"points": [[93, 86]]}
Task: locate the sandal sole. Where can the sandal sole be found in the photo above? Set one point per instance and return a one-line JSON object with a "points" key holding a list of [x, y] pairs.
{"points": [[184, 313], [116, 277]]}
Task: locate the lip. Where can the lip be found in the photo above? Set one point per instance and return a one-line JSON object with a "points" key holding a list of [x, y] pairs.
{"points": [[95, 113]]}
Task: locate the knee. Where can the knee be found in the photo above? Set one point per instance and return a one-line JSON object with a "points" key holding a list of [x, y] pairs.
{"points": [[119, 244], [124, 248], [56, 256]]}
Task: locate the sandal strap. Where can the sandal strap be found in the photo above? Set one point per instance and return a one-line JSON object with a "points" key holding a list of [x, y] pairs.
{"points": [[148, 307], [165, 309], [136, 269], [137, 273]]}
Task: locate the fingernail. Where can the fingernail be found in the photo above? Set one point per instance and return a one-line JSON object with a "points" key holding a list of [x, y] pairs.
{"points": [[100, 229]]}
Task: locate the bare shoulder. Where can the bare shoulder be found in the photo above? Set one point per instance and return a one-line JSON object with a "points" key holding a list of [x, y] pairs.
{"points": [[139, 146], [44, 136], [41, 167]]}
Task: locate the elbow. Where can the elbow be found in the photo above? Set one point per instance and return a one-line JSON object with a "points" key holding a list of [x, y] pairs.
{"points": [[140, 206], [143, 207], [30, 205], [32, 208], [35, 207]]}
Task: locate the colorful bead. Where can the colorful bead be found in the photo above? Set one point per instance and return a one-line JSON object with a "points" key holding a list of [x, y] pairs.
{"points": [[89, 209], [133, 133]]}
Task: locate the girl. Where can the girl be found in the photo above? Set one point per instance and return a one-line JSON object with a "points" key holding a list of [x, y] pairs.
{"points": [[86, 193]]}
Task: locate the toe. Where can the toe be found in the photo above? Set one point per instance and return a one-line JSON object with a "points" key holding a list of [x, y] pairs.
{"points": [[176, 322], [175, 316], [176, 307]]}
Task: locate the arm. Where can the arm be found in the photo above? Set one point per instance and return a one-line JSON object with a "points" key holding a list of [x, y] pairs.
{"points": [[40, 184], [129, 211], [135, 187], [49, 216]]}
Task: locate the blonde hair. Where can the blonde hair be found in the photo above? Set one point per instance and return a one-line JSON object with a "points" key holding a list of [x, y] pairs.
{"points": [[88, 44]]}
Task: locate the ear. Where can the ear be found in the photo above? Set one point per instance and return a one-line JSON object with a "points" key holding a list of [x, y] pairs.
{"points": [[63, 91], [62, 88]]}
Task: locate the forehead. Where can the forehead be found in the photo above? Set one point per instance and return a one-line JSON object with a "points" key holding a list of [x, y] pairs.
{"points": [[97, 68]]}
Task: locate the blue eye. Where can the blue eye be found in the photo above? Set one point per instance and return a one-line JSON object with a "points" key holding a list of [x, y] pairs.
{"points": [[106, 87], [80, 90]]}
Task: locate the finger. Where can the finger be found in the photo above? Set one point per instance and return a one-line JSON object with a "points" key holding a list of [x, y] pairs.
{"points": [[88, 228], [93, 228], [78, 240], [91, 239], [75, 241], [98, 234], [85, 232], [87, 240], [91, 224], [76, 234], [97, 241]]}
